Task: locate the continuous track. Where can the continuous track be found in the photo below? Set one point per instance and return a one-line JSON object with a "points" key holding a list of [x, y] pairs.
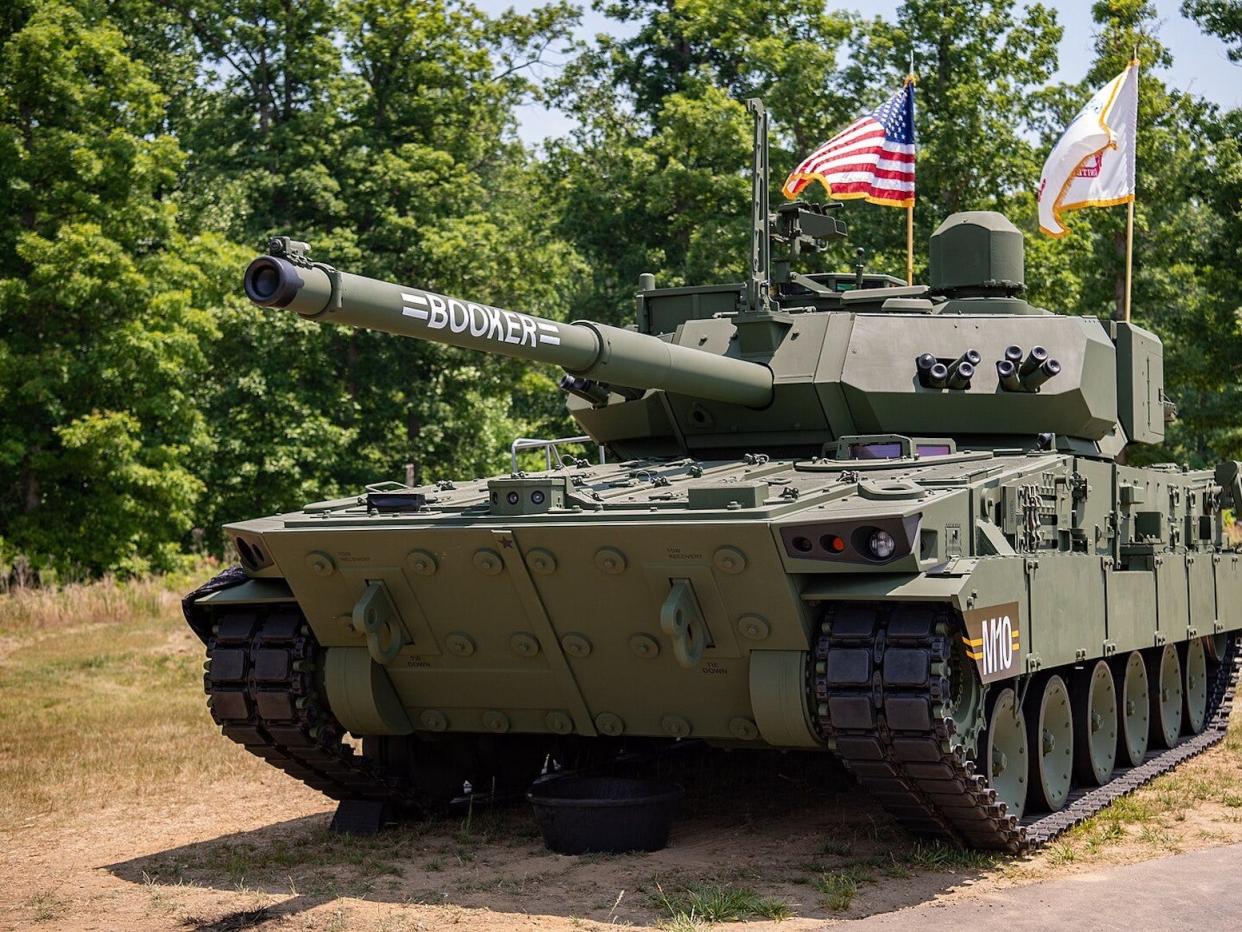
{"points": [[881, 684], [262, 690]]}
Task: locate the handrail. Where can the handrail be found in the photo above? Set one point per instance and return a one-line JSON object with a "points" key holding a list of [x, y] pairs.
{"points": [[551, 448]]}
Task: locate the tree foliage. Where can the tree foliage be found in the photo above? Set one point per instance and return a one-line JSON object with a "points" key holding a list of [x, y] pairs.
{"points": [[148, 147], [104, 320]]}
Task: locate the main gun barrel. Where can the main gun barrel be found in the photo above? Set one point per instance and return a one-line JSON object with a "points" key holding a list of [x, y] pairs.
{"points": [[583, 348]]}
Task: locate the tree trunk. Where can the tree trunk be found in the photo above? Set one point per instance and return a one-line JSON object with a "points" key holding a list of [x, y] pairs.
{"points": [[31, 492]]}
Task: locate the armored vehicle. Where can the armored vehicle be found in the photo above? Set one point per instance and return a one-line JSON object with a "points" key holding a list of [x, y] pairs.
{"points": [[836, 512]]}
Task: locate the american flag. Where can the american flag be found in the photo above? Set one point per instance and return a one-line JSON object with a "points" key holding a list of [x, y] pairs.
{"points": [[872, 158]]}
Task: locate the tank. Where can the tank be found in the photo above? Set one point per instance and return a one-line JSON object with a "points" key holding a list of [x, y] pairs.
{"points": [[835, 513]]}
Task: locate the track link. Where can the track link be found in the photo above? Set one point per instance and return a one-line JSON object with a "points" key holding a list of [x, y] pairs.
{"points": [[881, 690], [262, 690]]}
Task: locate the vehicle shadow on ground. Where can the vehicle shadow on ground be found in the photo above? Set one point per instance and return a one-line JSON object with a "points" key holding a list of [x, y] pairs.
{"points": [[791, 832]]}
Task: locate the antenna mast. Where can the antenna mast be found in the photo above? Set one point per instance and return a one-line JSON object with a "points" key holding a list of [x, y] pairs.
{"points": [[759, 285]]}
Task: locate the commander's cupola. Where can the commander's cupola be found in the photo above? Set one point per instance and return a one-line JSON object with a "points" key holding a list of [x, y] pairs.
{"points": [[976, 263]]}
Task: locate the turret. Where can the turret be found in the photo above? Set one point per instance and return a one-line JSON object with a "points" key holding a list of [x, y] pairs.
{"points": [[786, 363]]}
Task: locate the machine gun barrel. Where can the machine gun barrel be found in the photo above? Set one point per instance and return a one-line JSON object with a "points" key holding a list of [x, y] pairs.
{"points": [[597, 351]]}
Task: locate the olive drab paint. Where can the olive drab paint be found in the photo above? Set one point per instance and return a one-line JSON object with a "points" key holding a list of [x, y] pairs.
{"points": [[713, 575]]}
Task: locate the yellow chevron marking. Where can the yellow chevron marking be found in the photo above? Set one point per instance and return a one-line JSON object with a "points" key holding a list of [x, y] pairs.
{"points": [[977, 642], [973, 656]]}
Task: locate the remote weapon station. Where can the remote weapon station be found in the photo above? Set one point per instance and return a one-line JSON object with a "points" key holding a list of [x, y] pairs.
{"points": [[890, 522]]}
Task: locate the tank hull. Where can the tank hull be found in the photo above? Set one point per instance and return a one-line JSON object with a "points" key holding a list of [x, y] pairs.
{"points": [[735, 602]]}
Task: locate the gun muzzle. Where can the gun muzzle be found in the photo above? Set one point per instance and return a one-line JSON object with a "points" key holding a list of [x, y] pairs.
{"points": [[960, 376], [272, 282]]}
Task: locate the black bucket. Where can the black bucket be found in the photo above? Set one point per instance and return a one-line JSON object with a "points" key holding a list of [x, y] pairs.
{"points": [[608, 815]]}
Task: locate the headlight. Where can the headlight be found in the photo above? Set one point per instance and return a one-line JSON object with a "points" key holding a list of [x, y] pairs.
{"points": [[881, 545]]}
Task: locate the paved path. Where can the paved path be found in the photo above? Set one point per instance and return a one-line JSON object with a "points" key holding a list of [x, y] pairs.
{"points": [[1202, 890]]}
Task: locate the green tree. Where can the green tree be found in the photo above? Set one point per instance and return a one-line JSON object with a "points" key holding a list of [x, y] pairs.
{"points": [[980, 65], [382, 132], [1181, 268], [655, 178], [1221, 18], [102, 302]]}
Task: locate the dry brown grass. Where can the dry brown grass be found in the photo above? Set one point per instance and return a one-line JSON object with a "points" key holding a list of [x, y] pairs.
{"points": [[99, 696], [27, 613]]}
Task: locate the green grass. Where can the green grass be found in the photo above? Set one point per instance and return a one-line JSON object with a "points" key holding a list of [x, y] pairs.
{"points": [[934, 856], [1147, 816], [694, 906], [1062, 853], [838, 888], [27, 613], [839, 885], [301, 851], [835, 847]]}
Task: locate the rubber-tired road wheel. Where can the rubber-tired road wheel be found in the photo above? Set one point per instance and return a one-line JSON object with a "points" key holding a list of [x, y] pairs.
{"points": [[1050, 731], [1216, 645], [1164, 673], [1134, 706], [1194, 686], [1005, 752], [1094, 700]]}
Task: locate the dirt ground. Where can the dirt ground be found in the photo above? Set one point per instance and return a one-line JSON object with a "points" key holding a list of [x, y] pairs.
{"points": [[142, 817]]}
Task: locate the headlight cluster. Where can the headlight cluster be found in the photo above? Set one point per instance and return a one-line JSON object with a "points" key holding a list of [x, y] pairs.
{"points": [[879, 540]]}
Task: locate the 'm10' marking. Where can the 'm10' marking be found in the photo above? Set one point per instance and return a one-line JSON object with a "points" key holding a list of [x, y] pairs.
{"points": [[998, 643]]}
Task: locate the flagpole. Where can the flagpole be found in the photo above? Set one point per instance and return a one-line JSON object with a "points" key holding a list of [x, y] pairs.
{"points": [[1129, 253], [910, 246], [1134, 60], [910, 79]]}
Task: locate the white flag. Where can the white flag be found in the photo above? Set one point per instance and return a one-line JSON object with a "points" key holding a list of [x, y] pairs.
{"points": [[1093, 163]]}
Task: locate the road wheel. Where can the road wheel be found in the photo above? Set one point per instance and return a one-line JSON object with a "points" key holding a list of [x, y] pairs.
{"points": [[1050, 732], [1164, 672], [1134, 732], [1005, 752], [1216, 645], [1194, 686], [1095, 724]]}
